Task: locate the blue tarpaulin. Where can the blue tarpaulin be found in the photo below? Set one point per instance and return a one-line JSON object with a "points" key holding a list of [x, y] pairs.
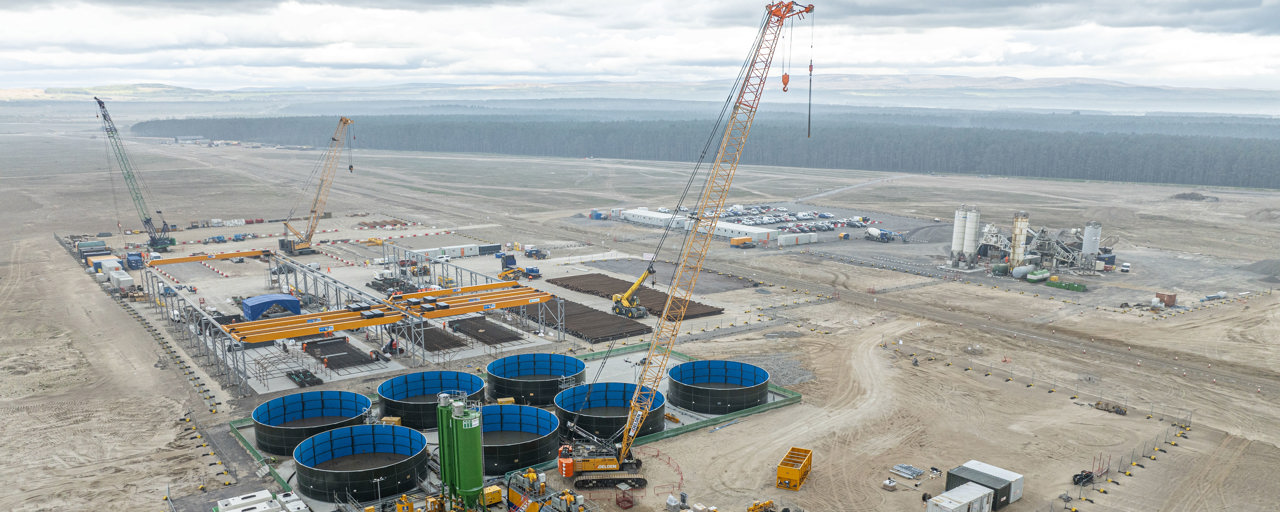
{"points": [[254, 307]]}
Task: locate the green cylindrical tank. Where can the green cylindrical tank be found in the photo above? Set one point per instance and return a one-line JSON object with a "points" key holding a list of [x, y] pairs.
{"points": [[461, 452], [445, 429], [1000, 269], [469, 452]]}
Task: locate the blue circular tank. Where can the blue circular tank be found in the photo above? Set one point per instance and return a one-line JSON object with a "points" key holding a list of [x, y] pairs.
{"points": [[534, 379], [717, 387], [281, 423], [518, 436], [601, 409], [412, 396], [363, 461]]}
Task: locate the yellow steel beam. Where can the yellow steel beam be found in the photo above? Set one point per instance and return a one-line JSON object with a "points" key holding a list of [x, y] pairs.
{"points": [[271, 323], [317, 328], [206, 257], [511, 302], [454, 291]]}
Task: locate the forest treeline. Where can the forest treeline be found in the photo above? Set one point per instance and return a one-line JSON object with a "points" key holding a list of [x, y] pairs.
{"points": [[844, 142]]}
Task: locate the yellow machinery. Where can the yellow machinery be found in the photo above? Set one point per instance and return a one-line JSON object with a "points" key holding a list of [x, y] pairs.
{"points": [[742, 110], [527, 492], [374, 241], [626, 304], [761, 506], [794, 468], [511, 274], [492, 496], [301, 241], [447, 282]]}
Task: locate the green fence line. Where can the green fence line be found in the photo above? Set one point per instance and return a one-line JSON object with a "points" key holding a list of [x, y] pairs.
{"points": [[253, 452], [606, 353]]}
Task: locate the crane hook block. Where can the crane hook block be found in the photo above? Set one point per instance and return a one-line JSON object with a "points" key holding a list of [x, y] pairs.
{"points": [[786, 79]]}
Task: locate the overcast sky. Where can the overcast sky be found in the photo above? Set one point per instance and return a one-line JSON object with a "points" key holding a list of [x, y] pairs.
{"points": [[241, 43]]}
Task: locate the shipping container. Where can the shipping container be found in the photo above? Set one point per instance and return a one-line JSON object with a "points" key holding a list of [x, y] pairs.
{"points": [[96, 251], [969, 497], [460, 251], [120, 279], [245, 500], [106, 266], [1006, 484], [490, 249], [90, 243]]}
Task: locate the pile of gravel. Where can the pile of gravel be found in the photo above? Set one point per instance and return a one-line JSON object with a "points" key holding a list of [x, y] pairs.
{"points": [[1264, 267], [784, 369]]}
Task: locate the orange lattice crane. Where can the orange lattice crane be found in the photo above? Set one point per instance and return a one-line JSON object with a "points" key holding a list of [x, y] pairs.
{"points": [[300, 242], [693, 251]]}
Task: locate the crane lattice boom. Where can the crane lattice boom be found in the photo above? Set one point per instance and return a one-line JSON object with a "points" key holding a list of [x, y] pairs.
{"points": [[330, 166], [712, 199], [158, 241]]}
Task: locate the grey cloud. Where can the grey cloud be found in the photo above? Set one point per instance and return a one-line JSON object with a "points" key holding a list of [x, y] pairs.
{"points": [[246, 6], [1219, 16]]}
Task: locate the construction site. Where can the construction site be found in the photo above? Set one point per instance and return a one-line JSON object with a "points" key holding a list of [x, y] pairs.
{"points": [[269, 330]]}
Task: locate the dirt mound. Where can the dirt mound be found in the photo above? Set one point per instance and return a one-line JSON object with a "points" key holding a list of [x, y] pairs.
{"points": [[1265, 267], [1265, 215], [1194, 196]]}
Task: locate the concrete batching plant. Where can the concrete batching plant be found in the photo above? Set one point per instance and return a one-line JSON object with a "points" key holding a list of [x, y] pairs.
{"points": [[965, 235]]}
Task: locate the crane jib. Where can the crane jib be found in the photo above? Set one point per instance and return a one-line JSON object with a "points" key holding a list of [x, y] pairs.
{"points": [[711, 199]]}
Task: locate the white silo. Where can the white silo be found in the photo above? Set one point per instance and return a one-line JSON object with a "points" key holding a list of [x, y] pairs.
{"points": [[957, 235], [1092, 239], [971, 232], [1019, 240]]}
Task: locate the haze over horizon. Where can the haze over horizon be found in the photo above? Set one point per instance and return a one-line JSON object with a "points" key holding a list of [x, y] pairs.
{"points": [[314, 44]]}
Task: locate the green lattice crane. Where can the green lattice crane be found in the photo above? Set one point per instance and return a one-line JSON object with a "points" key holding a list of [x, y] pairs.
{"points": [[157, 240]]}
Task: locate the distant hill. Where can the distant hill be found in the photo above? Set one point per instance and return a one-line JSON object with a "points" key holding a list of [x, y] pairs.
{"points": [[924, 91]]}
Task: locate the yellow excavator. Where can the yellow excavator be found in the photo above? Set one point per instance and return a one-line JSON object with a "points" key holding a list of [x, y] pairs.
{"points": [[626, 304]]}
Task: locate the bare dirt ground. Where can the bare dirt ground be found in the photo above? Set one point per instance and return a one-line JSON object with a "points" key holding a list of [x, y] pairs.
{"points": [[91, 417]]}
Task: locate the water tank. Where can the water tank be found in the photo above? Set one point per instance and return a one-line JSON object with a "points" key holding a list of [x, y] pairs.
{"points": [[1022, 271], [971, 232], [1092, 238], [957, 233]]}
